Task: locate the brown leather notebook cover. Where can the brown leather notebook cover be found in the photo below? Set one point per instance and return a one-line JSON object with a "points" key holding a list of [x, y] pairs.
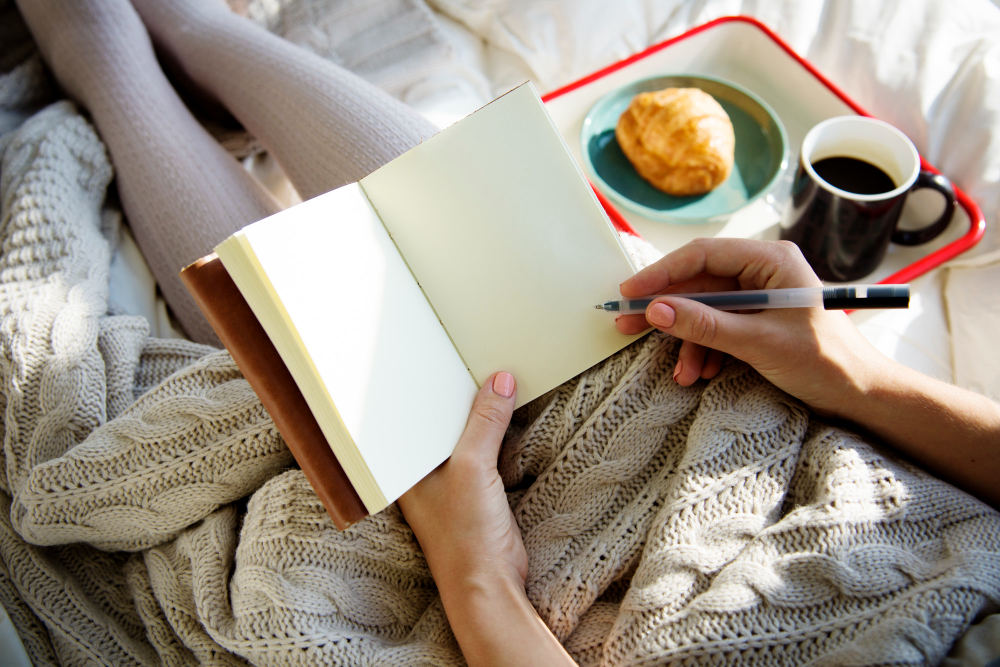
{"points": [[242, 334]]}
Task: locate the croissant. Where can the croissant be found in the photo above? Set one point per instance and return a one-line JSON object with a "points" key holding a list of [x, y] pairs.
{"points": [[679, 139]]}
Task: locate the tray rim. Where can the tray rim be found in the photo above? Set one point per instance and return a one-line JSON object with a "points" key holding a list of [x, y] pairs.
{"points": [[977, 222]]}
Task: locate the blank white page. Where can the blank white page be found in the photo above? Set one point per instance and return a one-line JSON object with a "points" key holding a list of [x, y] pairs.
{"points": [[388, 370], [506, 238]]}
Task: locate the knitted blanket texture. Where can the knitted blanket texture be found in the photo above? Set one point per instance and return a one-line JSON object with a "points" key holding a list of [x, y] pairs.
{"points": [[150, 513]]}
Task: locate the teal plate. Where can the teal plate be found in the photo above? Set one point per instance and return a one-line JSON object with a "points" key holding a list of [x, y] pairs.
{"points": [[761, 153]]}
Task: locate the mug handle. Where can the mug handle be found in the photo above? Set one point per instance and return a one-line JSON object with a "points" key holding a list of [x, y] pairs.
{"points": [[938, 182]]}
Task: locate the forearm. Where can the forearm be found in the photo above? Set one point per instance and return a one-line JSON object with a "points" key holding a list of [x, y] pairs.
{"points": [[952, 432], [817, 356], [460, 516], [496, 625]]}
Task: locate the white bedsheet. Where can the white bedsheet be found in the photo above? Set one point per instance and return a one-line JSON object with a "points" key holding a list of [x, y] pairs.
{"points": [[931, 67]]}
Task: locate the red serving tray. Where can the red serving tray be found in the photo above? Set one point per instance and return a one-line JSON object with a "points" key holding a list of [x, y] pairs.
{"points": [[977, 223]]}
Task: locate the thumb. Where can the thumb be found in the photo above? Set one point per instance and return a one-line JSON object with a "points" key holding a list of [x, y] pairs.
{"points": [[692, 321], [489, 418]]}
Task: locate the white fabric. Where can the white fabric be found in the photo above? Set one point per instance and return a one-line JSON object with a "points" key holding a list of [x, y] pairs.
{"points": [[11, 647], [930, 67], [978, 647], [133, 288], [973, 300]]}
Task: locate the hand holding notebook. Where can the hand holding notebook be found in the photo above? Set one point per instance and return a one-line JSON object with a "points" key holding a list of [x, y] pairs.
{"points": [[483, 248]]}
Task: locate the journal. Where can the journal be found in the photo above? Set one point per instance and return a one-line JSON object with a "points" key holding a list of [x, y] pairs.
{"points": [[391, 300]]}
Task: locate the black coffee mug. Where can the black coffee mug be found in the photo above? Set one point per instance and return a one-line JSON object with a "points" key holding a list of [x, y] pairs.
{"points": [[853, 178]]}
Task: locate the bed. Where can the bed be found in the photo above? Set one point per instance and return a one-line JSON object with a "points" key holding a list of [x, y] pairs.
{"points": [[928, 77], [930, 67]]}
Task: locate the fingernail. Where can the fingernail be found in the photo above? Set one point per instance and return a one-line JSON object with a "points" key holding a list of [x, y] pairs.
{"points": [[677, 370], [503, 384], [661, 315]]}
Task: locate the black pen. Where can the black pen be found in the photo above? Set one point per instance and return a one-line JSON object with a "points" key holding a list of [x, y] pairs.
{"points": [[848, 297]]}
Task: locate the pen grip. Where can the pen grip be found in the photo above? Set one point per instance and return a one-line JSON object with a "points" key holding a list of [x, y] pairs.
{"points": [[747, 300]]}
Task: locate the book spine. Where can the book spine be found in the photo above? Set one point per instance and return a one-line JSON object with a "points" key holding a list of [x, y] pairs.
{"points": [[229, 314]]}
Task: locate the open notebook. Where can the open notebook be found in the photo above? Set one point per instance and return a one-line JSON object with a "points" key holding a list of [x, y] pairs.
{"points": [[391, 300]]}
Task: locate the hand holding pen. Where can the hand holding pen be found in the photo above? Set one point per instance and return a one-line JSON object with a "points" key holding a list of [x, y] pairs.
{"points": [[814, 354]]}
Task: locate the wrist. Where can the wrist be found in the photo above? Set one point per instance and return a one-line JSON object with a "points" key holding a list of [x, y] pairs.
{"points": [[470, 593], [880, 383], [464, 567], [495, 623], [857, 374]]}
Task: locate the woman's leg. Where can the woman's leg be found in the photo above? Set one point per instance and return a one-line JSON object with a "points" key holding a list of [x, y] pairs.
{"points": [[324, 125], [181, 192]]}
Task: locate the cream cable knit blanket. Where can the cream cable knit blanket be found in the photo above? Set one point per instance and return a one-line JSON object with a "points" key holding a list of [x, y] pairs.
{"points": [[150, 514]]}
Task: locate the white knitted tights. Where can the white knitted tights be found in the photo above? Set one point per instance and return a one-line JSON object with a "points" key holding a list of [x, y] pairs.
{"points": [[182, 193]]}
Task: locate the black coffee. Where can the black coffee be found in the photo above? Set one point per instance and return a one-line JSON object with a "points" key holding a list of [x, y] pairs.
{"points": [[854, 175]]}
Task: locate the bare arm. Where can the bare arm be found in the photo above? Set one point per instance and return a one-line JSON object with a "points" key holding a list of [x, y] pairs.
{"points": [[817, 356], [473, 546], [953, 432], [459, 513]]}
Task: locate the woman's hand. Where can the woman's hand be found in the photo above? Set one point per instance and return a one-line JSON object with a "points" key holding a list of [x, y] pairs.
{"points": [[459, 512], [817, 356], [472, 543]]}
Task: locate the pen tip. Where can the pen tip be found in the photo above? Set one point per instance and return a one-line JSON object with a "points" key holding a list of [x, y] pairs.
{"points": [[599, 307]]}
